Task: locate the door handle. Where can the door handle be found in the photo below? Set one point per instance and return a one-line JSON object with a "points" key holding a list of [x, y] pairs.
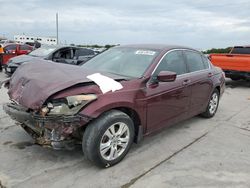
{"points": [[186, 82], [210, 74]]}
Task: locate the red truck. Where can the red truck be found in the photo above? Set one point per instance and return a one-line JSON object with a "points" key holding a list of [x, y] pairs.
{"points": [[12, 50], [236, 64]]}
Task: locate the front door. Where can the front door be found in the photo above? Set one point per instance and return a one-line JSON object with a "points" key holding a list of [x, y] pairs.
{"points": [[168, 102]]}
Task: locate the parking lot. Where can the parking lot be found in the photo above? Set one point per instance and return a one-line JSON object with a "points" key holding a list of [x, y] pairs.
{"points": [[195, 153]]}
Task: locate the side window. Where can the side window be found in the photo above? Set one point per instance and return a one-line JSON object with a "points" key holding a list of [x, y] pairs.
{"points": [[194, 61], [174, 62], [206, 62], [24, 47], [63, 54], [10, 48], [84, 52]]}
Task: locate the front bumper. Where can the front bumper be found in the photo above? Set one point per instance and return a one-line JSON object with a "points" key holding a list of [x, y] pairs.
{"points": [[58, 132]]}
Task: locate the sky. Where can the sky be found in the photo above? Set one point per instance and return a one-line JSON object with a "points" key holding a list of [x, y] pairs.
{"points": [[200, 24]]}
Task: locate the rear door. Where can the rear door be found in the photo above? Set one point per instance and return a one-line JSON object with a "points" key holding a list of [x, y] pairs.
{"points": [[168, 102], [23, 49], [201, 84]]}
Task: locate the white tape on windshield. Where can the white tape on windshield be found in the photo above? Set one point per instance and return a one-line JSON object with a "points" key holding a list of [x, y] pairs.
{"points": [[144, 52], [105, 83]]}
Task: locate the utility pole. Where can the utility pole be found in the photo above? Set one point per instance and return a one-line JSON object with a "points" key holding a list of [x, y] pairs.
{"points": [[57, 39]]}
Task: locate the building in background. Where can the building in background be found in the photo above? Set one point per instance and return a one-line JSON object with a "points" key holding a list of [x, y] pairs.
{"points": [[2, 38], [31, 39]]}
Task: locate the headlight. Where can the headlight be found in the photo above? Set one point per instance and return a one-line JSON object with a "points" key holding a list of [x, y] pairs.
{"points": [[68, 106], [80, 99]]}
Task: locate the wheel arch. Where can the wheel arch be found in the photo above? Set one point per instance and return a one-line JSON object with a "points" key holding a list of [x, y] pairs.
{"points": [[136, 119], [132, 113], [218, 88]]}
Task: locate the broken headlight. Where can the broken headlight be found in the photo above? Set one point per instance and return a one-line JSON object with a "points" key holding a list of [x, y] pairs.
{"points": [[69, 105]]}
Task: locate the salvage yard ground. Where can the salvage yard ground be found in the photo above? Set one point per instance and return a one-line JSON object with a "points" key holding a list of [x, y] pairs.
{"points": [[195, 153]]}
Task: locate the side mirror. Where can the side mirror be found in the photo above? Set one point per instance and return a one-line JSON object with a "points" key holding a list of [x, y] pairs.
{"points": [[166, 76]]}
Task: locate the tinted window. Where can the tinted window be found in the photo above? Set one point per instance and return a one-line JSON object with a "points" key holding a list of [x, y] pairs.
{"points": [[63, 54], [84, 52], [24, 47], [206, 62], [241, 50], [174, 62], [194, 61], [10, 48]]}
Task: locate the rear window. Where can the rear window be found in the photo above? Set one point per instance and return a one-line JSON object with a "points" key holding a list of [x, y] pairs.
{"points": [[240, 50]]}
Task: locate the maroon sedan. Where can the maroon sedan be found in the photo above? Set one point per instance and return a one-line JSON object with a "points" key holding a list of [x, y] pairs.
{"points": [[114, 99]]}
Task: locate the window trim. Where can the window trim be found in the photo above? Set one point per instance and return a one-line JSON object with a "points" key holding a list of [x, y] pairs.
{"points": [[165, 56], [182, 50]]}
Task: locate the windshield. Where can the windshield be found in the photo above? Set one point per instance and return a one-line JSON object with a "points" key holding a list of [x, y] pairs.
{"points": [[43, 51], [128, 62]]}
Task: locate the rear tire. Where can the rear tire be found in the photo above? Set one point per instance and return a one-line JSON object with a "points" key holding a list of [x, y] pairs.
{"points": [[108, 139], [212, 105]]}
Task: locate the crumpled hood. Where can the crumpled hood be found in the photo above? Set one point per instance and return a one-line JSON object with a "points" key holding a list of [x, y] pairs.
{"points": [[22, 59], [33, 83]]}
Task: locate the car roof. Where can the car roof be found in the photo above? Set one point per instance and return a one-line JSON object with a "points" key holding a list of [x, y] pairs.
{"points": [[158, 47], [7, 44], [247, 46], [57, 47]]}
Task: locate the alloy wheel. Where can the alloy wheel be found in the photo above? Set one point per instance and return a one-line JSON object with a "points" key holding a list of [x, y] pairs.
{"points": [[213, 103], [114, 141]]}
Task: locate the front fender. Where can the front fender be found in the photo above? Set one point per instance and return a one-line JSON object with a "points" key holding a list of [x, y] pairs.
{"points": [[94, 110]]}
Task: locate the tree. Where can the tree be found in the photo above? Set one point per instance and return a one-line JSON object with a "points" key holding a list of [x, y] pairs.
{"points": [[218, 50]]}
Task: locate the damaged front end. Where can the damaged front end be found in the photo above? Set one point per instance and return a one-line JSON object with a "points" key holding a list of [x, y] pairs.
{"points": [[57, 124]]}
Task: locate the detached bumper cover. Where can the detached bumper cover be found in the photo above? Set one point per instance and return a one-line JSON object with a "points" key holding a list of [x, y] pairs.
{"points": [[57, 132]]}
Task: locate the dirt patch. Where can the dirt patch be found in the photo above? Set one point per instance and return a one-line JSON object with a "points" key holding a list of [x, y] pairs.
{"points": [[6, 128], [7, 143], [22, 145]]}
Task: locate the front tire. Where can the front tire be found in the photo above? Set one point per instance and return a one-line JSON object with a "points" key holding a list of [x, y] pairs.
{"points": [[108, 139], [212, 105]]}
